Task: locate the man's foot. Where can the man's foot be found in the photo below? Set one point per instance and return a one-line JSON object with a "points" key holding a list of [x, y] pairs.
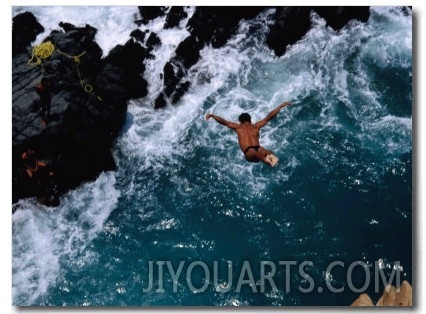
{"points": [[271, 160]]}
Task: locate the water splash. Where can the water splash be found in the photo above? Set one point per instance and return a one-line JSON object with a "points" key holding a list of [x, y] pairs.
{"points": [[47, 239]]}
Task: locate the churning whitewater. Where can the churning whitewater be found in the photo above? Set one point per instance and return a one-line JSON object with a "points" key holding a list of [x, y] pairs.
{"points": [[184, 192]]}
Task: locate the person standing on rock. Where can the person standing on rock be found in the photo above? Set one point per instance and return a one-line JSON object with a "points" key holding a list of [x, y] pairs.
{"points": [[32, 165], [43, 89], [42, 176], [248, 135]]}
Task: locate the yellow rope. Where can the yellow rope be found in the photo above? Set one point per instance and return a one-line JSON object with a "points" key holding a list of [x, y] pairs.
{"points": [[46, 49], [76, 58], [41, 52], [87, 87]]}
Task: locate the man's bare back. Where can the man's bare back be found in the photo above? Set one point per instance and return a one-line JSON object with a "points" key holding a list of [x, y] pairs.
{"points": [[248, 135]]}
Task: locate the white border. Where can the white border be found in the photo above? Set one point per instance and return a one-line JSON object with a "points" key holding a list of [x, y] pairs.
{"points": [[5, 140]]}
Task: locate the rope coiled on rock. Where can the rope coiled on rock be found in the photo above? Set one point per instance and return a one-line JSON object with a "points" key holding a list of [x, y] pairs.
{"points": [[41, 52], [46, 49]]}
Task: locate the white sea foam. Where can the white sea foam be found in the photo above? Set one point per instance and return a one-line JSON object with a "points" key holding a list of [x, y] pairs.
{"points": [[228, 81], [161, 133], [44, 239], [170, 39], [396, 39], [392, 134]]}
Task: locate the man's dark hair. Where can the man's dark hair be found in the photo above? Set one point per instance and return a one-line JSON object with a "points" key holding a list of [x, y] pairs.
{"points": [[244, 117]]}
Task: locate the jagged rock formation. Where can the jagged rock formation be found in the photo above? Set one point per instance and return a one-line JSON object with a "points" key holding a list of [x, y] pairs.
{"points": [[338, 17], [88, 105], [25, 29], [216, 25], [291, 24], [208, 25]]}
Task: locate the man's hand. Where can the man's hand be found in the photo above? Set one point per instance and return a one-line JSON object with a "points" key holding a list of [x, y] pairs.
{"points": [[222, 121], [271, 115], [285, 104]]}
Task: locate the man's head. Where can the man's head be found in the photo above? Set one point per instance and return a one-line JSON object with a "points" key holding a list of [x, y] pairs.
{"points": [[244, 117]]}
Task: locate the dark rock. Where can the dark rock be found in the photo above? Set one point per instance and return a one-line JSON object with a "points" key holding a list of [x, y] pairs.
{"points": [[181, 89], [407, 10], [138, 35], [174, 16], [88, 108], [150, 13], [208, 25], [216, 25], [66, 26], [188, 51], [153, 41], [160, 102], [291, 24], [129, 58], [187, 54], [25, 29], [337, 17], [171, 77]]}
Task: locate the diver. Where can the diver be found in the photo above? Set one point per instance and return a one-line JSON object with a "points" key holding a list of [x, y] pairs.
{"points": [[32, 165], [248, 135]]}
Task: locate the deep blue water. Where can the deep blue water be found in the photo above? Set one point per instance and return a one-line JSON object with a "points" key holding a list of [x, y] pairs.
{"points": [[184, 193]]}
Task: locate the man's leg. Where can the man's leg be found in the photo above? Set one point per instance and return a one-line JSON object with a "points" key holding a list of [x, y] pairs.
{"points": [[267, 157]]}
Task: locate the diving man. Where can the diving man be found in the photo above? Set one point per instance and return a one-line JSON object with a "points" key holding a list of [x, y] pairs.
{"points": [[248, 135]]}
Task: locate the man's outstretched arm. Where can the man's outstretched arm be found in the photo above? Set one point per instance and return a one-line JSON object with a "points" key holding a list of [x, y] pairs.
{"points": [[271, 115], [229, 124]]}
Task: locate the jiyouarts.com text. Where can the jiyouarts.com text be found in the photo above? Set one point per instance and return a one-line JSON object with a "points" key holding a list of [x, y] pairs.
{"points": [[198, 276]]}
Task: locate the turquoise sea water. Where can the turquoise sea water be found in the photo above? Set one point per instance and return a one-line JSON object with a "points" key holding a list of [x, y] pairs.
{"points": [[184, 193]]}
